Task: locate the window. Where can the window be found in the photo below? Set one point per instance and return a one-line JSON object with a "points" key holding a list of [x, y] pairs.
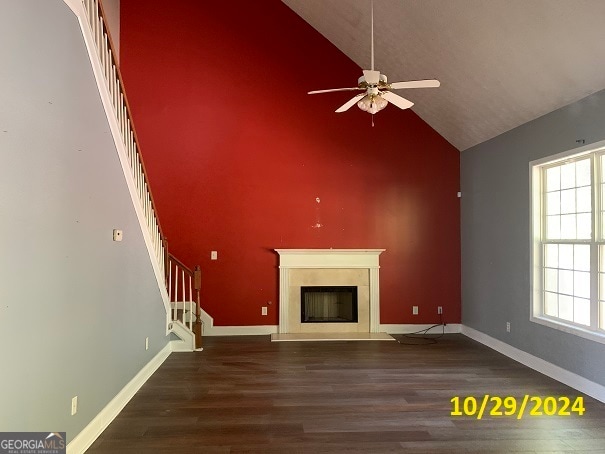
{"points": [[568, 258]]}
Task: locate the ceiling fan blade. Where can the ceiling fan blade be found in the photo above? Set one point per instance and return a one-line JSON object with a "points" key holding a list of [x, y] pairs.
{"points": [[371, 77], [397, 100], [430, 83], [314, 92], [347, 105]]}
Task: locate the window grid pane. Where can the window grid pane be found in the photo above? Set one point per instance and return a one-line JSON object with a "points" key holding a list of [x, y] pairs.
{"points": [[567, 282], [601, 188], [571, 214], [568, 201], [601, 317], [568, 216], [581, 311]]}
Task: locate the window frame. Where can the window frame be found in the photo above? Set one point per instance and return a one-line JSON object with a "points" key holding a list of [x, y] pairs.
{"points": [[538, 240]]}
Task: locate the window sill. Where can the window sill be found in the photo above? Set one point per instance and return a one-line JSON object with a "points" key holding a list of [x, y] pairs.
{"points": [[571, 329]]}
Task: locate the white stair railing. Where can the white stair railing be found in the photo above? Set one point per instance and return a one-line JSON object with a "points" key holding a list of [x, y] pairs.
{"points": [[184, 295], [181, 302], [113, 81]]}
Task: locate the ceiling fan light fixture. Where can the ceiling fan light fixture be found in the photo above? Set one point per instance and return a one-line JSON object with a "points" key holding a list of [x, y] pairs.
{"points": [[377, 91], [372, 103]]}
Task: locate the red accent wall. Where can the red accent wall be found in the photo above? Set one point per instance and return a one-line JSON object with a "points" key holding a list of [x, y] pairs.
{"points": [[238, 153]]}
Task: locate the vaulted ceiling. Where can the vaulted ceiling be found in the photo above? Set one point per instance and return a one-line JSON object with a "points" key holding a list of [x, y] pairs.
{"points": [[501, 63]]}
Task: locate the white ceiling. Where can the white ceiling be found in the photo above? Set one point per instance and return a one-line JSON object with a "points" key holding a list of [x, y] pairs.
{"points": [[501, 63]]}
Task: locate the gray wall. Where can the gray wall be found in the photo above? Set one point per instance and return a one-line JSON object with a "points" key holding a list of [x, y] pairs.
{"points": [[495, 234], [75, 307]]}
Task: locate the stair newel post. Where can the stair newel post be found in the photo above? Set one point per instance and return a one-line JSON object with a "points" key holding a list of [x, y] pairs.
{"points": [[197, 282]]}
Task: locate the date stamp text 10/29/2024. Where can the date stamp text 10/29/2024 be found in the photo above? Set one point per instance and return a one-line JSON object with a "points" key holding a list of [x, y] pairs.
{"points": [[509, 406]]}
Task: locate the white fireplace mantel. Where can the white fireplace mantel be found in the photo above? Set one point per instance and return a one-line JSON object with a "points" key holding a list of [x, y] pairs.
{"points": [[290, 259]]}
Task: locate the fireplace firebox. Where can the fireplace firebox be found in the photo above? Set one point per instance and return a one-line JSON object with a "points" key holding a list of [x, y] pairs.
{"points": [[325, 304]]}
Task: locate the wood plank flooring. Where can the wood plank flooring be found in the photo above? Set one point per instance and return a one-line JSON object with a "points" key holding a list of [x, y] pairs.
{"points": [[250, 395]]}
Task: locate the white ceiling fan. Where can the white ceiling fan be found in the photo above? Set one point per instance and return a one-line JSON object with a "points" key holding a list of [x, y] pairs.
{"points": [[376, 90]]}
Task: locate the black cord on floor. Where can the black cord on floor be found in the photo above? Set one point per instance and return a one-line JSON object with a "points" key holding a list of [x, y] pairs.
{"points": [[422, 337]]}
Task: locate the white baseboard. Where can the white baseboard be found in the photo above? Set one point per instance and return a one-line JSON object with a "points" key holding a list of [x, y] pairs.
{"points": [[558, 373], [450, 328], [91, 432], [256, 330]]}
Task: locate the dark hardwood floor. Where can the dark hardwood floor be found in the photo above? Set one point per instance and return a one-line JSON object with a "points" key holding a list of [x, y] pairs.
{"points": [[248, 395]]}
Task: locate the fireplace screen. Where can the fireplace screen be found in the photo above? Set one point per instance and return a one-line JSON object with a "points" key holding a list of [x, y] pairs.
{"points": [[328, 304]]}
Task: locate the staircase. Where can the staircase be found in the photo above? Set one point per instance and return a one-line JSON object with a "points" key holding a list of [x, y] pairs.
{"points": [[179, 285], [184, 294]]}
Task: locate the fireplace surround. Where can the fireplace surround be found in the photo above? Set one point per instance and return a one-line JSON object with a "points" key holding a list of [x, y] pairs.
{"points": [[329, 267]]}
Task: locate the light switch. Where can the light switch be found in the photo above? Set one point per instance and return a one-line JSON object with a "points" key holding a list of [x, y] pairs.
{"points": [[213, 255], [117, 235]]}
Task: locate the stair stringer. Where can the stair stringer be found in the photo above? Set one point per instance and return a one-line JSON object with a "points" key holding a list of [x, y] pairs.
{"points": [[186, 341]]}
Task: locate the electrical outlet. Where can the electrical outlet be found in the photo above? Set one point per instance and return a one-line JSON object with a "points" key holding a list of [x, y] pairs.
{"points": [[146, 343], [414, 310], [508, 327], [74, 405], [263, 310], [440, 309], [213, 255]]}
